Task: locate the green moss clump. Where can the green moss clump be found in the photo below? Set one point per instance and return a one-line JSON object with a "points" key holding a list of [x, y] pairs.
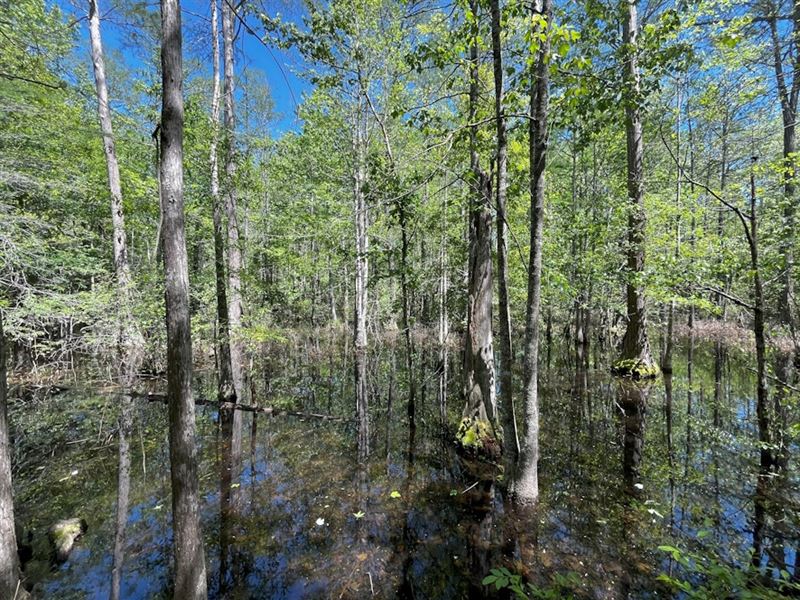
{"points": [[635, 369], [473, 433], [62, 536]]}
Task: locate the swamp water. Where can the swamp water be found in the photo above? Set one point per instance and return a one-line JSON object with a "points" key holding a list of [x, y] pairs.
{"points": [[288, 513]]}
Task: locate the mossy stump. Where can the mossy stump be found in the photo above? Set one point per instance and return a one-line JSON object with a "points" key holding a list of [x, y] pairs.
{"points": [[62, 536], [479, 448], [635, 368]]}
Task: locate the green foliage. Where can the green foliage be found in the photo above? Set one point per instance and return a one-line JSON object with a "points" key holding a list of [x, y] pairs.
{"points": [[562, 586], [706, 577]]}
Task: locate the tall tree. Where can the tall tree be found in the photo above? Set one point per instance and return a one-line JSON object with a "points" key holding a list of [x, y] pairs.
{"points": [[226, 391], [190, 567], [361, 274], [635, 359], [526, 482], [234, 247], [130, 340], [788, 84], [9, 561], [479, 376], [511, 441]]}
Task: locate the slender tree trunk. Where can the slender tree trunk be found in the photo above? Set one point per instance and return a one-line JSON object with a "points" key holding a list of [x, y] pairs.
{"points": [[666, 360], [719, 346], [636, 359], [479, 382], [123, 493], [404, 267], [190, 568], [361, 275], [235, 310], [131, 343], [762, 409], [511, 442], [526, 483], [226, 390], [9, 561], [788, 96], [444, 325]]}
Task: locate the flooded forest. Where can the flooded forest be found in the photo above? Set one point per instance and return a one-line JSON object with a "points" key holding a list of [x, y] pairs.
{"points": [[399, 299]]}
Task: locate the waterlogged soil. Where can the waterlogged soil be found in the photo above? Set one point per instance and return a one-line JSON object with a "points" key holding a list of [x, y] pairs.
{"points": [[287, 512]]}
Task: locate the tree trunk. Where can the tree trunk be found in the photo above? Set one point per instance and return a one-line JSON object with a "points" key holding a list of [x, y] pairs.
{"points": [[130, 340], [404, 267], [635, 360], [226, 388], [190, 569], [788, 96], [762, 409], [9, 561], [526, 481], [479, 382], [234, 249], [444, 325], [123, 493], [666, 360], [361, 273], [511, 442]]}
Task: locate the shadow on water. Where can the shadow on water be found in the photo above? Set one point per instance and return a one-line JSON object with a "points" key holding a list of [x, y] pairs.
{"points": [[289, 511]]}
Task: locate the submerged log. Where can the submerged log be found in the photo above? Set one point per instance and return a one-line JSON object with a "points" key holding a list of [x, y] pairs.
{"points": [[267, 410]]}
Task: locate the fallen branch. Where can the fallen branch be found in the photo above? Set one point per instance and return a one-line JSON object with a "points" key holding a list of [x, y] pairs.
{"points": [[267, 410], [776, 380]]}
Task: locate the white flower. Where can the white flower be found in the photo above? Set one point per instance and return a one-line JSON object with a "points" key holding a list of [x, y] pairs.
{"points": [[320, 522]]}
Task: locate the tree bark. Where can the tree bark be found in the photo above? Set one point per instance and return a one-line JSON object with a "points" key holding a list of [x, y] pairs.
{"points": [[762, 409], [190, 569], [788, 96], [444, 325], [235, 309], [635, 359], [226, 387], [666, 360], [526, 481], [361, 275], [9, 561], [130, 340], [511, 442], [479, 382]]}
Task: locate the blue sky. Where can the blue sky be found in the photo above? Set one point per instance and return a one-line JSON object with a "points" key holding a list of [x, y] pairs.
{"points": [[282, 68]]}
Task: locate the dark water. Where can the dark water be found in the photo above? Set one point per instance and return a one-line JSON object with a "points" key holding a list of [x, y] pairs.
{"points": [[288, 513]]}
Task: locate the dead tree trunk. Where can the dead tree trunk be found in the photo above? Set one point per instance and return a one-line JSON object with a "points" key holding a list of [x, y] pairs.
{"points": [[235, 310], [226, 388], [526, 481], [635, 360], [190, 568]]}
